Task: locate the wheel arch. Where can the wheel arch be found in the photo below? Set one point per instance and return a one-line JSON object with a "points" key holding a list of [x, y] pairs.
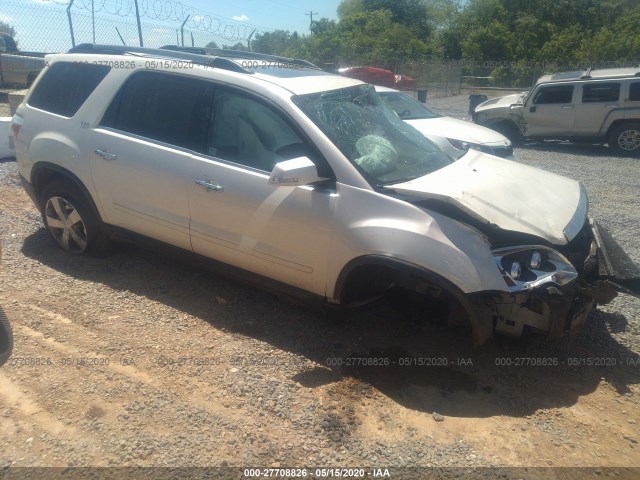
{"points": [[618, 122], [371, 275], [43, 173]]}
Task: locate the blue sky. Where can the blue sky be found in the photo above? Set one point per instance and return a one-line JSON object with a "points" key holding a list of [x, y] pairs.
{"points": [[272, 14], [42, 25]]}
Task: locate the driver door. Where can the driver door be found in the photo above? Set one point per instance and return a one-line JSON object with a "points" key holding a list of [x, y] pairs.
{"points": [[550, 112], [280, 232]]}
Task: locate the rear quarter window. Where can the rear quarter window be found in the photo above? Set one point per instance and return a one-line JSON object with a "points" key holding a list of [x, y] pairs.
{"points": [[65, 86], [170, 108], [600, 92], [634, 91]]}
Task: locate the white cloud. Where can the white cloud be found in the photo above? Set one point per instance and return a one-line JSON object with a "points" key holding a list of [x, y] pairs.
{"points": [[240, 18]]}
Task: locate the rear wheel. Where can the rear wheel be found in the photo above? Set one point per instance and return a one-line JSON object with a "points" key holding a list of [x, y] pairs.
{"points": [[625, 138], [70, 221]]}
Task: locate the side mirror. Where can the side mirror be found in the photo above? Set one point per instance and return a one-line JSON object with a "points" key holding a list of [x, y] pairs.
{"points": [[294, 173], [532, 109]]}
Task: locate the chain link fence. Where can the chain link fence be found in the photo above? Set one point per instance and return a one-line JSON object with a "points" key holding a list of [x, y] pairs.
{"points": [[57, 25]]}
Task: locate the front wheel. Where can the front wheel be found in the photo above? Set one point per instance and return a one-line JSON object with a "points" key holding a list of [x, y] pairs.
{"points": [[625, 138], [70, 220], [509, 130]]}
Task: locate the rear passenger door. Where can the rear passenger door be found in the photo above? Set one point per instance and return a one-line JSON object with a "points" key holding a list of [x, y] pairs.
{"points": [[141, 153], [599, 104], [550, 112], [632, 105]]}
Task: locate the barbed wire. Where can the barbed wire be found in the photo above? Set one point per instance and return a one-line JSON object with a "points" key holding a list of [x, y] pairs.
{"points": [[170, 11]]}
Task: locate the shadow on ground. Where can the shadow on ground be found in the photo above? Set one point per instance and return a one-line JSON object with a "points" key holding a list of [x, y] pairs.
{"points": [[580, 149], [421, 363]]}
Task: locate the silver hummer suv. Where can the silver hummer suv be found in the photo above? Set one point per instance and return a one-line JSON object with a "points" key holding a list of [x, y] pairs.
{"points": [[595, 106]]}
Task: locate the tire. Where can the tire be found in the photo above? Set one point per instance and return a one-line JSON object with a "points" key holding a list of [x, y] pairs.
{"points": [[6, 338], [625, 138], [510, 131], [70, 221], [30, 79]]}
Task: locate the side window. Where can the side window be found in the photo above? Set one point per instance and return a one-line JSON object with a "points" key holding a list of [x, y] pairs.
{"points": [[554, 94], [164, 107], [3, 47], [634, 91], [65, 86], [600, 92], [248, 132]]}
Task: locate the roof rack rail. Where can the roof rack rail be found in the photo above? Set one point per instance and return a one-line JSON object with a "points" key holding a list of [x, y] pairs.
{"points": [[221, 52], [587, 73], [195, 58]]}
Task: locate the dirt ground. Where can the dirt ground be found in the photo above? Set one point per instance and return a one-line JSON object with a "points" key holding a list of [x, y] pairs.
{"points": [[143, 359]]}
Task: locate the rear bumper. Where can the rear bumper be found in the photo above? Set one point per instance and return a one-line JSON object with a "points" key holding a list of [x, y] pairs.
{"points": [[30, 191]]}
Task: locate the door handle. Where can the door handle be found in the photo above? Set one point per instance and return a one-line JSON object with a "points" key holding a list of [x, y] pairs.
{"points": [[567, 107], [106, 155], [210, 186], [609, 105]]}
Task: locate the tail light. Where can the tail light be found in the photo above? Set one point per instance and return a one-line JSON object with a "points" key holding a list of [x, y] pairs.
{"points": [[16, 123]]}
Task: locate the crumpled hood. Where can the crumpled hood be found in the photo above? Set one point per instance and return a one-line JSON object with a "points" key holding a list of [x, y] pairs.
{"points": [[507, 194], [500, 102], [458, 130]]}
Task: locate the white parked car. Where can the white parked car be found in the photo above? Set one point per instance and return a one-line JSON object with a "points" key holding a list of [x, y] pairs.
{"points": [[460, 134], [304, 179]]}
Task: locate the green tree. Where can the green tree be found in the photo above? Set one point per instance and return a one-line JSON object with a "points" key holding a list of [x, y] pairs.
{"points": [[211, 45], [619, 41], [409, 13], [7, 28], [350, 7], [238, 46], [278, 42]]}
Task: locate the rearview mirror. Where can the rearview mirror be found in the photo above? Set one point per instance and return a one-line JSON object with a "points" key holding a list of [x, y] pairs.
{"points": [[294, 172]]}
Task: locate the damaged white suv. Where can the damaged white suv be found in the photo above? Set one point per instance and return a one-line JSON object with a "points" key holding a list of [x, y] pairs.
{"points": [[306, 179]]}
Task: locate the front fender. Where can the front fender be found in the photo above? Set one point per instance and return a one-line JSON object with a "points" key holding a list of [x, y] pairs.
{"points": [[377, 224]]}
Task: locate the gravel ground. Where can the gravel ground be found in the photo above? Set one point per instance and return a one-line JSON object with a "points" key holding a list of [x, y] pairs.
{"points": [[142, 359]]}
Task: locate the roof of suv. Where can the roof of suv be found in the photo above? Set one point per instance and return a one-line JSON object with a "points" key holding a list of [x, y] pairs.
{"points": [[589, 74], [297, 76]]}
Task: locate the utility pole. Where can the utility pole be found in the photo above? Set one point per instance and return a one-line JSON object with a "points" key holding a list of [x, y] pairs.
{"points": [[311, 14]]}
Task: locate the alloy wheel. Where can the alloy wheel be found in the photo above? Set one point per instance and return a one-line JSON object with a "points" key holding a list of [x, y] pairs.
{"points": [[66, 225]]}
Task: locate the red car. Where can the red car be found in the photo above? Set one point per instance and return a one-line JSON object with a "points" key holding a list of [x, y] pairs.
{"points": [[380, 76], [373, 75]]}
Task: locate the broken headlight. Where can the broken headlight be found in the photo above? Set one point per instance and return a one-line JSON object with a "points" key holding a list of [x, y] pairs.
{"points": [[527, 267]]}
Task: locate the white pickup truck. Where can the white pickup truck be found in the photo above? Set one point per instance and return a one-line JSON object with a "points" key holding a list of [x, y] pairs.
{"points": [[18, 68]]}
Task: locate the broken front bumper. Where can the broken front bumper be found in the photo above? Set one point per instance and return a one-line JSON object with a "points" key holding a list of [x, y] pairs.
{"points": [[558, 309]]}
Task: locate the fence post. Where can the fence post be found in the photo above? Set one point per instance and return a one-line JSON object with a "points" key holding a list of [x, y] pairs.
{"points": [[73, 38], [139, 26], [93, 20], [182, 29], [121, 39]]}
